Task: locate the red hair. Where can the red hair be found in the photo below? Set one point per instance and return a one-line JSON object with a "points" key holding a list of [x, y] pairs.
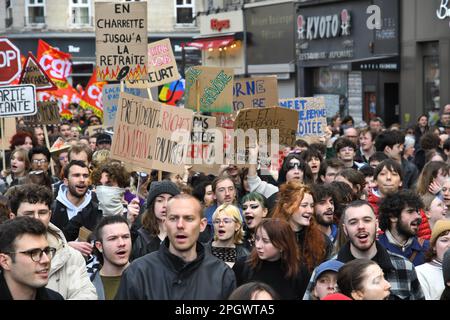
{"points": [[313, 248], [19, 139]]}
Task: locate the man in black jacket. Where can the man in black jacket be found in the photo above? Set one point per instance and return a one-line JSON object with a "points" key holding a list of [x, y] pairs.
{"points": [[25, 261], [181, 269]]}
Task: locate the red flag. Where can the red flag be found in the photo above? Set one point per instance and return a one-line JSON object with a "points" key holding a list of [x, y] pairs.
{"points": [[55, 63], [64, 97], [92, 97]]}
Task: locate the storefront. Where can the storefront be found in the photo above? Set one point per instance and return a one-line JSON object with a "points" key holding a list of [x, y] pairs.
{"points": [[271, 43], [425, 76], [344, 57], [221, 40]]}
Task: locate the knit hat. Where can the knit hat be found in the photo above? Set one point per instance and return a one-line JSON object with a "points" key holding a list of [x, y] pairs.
{"points": [[439, 227], [329, 265], [446, 266], [160, 187], [104, 138]]}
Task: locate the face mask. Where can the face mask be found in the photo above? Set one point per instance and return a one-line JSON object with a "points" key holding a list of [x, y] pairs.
{"points": [[110, 200]]}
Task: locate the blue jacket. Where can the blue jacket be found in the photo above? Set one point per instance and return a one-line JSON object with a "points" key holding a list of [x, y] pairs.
{"points": [[407, 252]]}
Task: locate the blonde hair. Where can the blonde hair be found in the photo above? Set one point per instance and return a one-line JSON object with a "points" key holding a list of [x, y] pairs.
{"points": [[233, 212]]}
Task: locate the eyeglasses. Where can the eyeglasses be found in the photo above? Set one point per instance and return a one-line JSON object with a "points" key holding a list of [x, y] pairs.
{"points": [[36, 254], [224, 220], [293, 165], [39, 161]]}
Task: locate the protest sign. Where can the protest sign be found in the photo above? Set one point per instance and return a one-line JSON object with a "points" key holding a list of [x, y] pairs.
{"points": [[255, 92], [209, 89], [162, 66], [18, 101], [121, 40], [48, 113], [312, 116], [91, 130], [272, 127], [110, 98], [202, 149], [143, 137], [34, 74]]}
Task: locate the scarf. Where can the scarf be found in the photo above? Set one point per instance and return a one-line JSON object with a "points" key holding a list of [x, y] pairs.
{"points": [[110, 200]]}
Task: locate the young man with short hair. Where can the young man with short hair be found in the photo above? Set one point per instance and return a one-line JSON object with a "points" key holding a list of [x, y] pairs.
{"points": [[25, 259], [181, 268]]}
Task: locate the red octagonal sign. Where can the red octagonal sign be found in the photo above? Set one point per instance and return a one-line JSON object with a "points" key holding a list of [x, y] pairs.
{"points": [[10, 66]]}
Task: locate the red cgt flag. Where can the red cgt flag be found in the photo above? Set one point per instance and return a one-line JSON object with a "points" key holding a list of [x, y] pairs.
{"points": [[56, 64], [92, 96]]}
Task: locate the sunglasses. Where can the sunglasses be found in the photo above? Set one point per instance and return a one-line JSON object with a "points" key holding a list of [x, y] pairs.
{"points": [[294, 165]]}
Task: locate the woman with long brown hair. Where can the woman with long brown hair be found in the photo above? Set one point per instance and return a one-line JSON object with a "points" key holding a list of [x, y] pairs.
{"points": [[296, 206], [274, 260]]}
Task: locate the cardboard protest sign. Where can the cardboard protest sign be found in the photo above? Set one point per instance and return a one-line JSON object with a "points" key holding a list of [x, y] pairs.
{"points": [[210, 89], [18, 100], [121, 40], [255, 92], [9, 130], [202, 149], [272, 126], [34, 74], [110, 98], [91, 130], [162, 66], [145, 135], [48, 113], [312, 115]]}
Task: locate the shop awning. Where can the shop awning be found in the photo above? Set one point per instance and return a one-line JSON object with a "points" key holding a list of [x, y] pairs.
{"points": [[211, 43]]}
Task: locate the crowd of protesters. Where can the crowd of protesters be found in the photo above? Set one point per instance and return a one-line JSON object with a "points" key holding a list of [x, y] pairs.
{"points": [[360, 215]]}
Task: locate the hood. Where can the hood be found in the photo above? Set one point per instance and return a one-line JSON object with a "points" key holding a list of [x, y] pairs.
{"points": [[72, 210]]}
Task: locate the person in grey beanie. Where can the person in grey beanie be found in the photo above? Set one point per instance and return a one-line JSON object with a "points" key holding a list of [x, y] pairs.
{"points": [[152, 232], [446, 274]]}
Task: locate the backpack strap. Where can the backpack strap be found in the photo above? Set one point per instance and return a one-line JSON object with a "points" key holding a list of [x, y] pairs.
{"points": [[414, 254]]}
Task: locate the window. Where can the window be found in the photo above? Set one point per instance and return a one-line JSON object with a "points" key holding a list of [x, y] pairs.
{"points": [[35, 11], [184, 11], [80, 12], [9, 15], [431, 77]]}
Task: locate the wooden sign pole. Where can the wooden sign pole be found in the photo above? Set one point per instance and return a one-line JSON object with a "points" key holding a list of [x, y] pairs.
{"points": [[47, 142], [3, 142], [197, 91]]}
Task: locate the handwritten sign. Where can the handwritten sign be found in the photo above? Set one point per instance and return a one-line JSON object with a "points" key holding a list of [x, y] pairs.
{"points": [[34, 74], [202, 149], [143, 135], [211, 88], [162, 66], [121, 40], [312, 115], [110, 99], [91, 130], [47, 114], [18, 101], [256, 92]]}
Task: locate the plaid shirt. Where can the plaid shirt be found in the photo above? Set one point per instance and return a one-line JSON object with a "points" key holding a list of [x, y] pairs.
{"points": [[398, 270]]}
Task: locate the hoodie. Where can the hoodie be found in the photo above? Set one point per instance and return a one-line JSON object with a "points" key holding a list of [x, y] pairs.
{"points": [[72, 210]]}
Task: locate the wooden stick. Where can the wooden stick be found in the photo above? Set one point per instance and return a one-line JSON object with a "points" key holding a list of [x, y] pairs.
{"points": [[197, 91], [122, 85], [3, 142], [159, 175], [150, 95], [47, 142]]}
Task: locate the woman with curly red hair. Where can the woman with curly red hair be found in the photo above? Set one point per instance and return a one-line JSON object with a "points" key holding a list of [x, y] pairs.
{"points": [[296, 206], [22, 139]]}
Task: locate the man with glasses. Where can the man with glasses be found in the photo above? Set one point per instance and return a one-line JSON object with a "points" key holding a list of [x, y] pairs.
{"points": [[346, 152], [40, 160], [67, 274], [25, 259]]}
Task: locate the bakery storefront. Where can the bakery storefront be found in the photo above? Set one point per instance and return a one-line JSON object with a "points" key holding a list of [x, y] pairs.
{"points": [[350, 57], [425, 58]]}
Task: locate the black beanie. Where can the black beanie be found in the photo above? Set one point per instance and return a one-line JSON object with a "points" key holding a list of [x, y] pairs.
{"points": [[160, 187]]}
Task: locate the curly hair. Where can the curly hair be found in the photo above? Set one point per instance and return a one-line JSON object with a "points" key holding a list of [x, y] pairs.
{"points": [[392, 205], [313, 249], [31, 193], [116, 172], [19, 139]]}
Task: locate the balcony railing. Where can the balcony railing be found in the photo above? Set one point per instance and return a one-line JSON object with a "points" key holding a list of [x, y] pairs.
{"points": [[35, 20]]}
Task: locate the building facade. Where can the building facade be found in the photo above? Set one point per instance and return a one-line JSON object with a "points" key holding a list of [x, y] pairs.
{"points": [[425, 58], [69, 26]]}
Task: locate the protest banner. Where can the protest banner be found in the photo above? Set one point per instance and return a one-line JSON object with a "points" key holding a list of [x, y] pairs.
{"points": [[91, 130], [47, 114], [272, 127], [202, 149], [162, 66], [34, 74], [110, 98], [18, 100], [312, 116], [143, 137], [121, 40], [209, 89], [255, 92]]}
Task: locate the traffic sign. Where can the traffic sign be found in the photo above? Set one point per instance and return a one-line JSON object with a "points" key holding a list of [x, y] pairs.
{"points": [[10, 66]]}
